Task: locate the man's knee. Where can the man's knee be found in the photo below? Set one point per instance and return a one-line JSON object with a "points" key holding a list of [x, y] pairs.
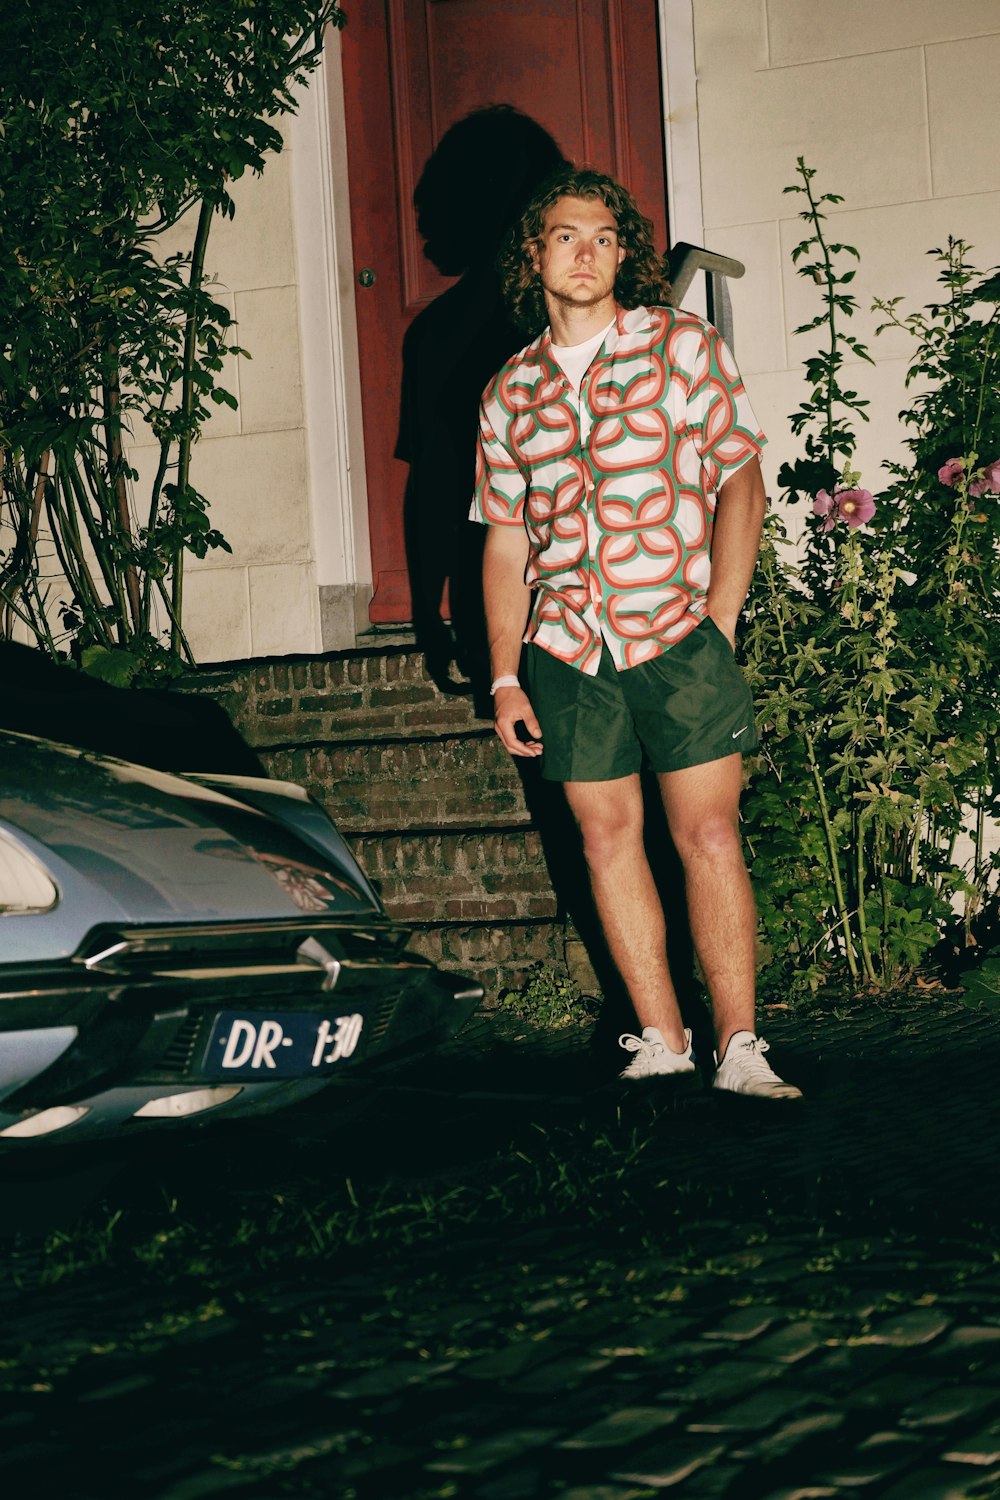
{"points": [[714, 836], [609, 825]]}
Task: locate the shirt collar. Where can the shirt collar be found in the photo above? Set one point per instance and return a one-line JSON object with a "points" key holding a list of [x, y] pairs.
{"points": [[627, 321]]}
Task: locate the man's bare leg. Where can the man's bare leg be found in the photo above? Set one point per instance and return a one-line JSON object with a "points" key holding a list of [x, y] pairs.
{"points": [[610, 817], [702, 807]]}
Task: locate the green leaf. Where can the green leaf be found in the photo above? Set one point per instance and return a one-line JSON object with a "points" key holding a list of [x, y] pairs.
{"points": [[110, 664], [989, 290], [807, 477]]}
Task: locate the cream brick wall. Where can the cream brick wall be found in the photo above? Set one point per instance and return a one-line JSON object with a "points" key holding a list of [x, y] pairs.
{"points": [[896, 103], [252, 463]]}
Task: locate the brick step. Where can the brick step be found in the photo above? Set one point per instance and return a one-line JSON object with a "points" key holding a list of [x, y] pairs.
{"points": [[408, 783], [368, 694], [470, 875], [499, 954], [435, 809]]}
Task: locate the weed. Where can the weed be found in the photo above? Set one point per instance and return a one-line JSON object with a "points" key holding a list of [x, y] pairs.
{"points": [[548, 999]]}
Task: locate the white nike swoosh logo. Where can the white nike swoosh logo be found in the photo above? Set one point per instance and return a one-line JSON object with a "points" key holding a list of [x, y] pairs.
{"points": [[741, 731]]}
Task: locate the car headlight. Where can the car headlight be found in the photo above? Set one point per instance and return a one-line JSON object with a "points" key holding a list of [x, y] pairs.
{"points": [[25, 886]]}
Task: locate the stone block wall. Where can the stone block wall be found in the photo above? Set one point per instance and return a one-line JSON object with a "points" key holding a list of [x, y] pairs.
{"points": [[895, 104], [252, 463]]}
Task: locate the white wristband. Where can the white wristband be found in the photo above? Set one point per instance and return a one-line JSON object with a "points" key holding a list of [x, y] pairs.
{"points": [[508, 680]]}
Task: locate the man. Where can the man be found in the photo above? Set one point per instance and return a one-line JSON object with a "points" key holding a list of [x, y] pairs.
{"points": [[618, 475]]}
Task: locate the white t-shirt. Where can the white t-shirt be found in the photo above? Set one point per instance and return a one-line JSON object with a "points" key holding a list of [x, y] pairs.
{"points": [[575, 360]]}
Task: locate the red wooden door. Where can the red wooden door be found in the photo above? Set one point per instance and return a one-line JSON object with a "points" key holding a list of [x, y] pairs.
{"points": [[586, 70]]}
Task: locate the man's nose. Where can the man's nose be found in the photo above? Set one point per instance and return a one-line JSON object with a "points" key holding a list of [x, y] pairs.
{"points": [[584, 251]]}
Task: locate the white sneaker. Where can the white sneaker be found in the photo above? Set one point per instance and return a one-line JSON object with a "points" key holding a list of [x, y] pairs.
{"points": [[653, 1058], [744, 1071]]}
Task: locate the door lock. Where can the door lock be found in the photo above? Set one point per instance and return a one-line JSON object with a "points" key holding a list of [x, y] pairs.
{"points": [[366, 277]]}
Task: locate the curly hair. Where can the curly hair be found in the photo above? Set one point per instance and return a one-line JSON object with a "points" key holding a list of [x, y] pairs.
{"points": [[642, 275]]}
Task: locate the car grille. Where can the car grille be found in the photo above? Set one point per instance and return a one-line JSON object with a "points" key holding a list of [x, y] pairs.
{"points": [[180, 1055], [231, 946]]}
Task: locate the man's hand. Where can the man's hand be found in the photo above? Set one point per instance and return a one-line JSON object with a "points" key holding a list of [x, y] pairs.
{"points": [[507, 599], [726, 625], [510, 708]]}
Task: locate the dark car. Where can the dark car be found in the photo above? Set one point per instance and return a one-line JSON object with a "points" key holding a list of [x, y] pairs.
{"points": [[174, 944]]}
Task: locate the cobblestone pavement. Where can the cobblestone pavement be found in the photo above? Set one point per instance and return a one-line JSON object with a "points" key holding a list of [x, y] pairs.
{"points": [[614, 1294]]}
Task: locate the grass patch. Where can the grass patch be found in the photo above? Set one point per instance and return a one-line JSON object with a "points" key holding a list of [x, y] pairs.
{"points": [[190, 1228]]}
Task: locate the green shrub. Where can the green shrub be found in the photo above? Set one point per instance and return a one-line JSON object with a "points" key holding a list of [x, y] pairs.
{"points": [[116, 121]]}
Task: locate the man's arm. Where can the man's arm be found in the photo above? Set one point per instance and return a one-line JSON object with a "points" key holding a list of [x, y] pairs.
{"points": [[507, 599], [739, 517]]}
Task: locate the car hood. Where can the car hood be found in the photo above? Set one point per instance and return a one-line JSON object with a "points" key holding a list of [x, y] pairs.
{"points": [[126, 843]]}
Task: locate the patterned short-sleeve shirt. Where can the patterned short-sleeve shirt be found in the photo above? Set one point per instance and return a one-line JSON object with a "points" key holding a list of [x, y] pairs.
{"points": [[619, 518]]}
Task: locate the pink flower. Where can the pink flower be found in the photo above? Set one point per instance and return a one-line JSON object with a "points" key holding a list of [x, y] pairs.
{"points": [[988, 482], [822, 506], [853, 506], [951, 473]]}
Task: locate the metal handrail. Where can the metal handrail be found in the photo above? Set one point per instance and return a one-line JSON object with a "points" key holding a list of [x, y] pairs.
{"points": [[685, 261]]}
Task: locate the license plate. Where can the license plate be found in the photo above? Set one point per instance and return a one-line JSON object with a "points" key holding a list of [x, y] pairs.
{"points": [[295, 1044]]}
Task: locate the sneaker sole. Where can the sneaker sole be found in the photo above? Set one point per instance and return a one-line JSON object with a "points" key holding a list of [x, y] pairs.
{"points": [[731, 1096], [686, 1079]]}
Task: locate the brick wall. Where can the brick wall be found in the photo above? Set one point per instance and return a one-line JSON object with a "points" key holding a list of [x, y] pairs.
{"points": [[467, 876], [375, 693], [408, 783]]}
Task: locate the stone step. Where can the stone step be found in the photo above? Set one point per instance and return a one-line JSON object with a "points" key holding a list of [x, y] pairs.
{"points": [[408, 783], [470, 875], [374, 693]]}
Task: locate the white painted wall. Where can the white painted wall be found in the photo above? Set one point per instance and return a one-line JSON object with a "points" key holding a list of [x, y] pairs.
{"points": [[896, 104]]}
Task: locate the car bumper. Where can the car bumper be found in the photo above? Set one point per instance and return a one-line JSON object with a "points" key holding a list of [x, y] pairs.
{"points": [[141, 1015]]}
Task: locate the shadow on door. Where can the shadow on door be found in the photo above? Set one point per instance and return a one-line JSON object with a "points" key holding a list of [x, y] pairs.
{"points": [[469, 194]]}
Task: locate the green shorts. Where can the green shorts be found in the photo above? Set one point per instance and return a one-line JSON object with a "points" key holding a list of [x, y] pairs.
{"points": [[684, 708]]}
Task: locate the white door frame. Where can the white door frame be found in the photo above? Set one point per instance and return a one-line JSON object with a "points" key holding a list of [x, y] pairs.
{"points": [[338, 490], [679, 82]]}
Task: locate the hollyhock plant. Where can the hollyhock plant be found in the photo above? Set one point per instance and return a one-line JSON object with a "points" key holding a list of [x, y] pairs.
{"points": [[854, 506], [988, 482], [870, 650]]}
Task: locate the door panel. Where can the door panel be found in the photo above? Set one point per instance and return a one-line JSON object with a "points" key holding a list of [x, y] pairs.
{"points": [[586, 70]]}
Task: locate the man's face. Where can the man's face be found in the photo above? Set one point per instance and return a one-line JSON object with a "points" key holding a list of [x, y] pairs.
{"points": [[577, 254]]}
